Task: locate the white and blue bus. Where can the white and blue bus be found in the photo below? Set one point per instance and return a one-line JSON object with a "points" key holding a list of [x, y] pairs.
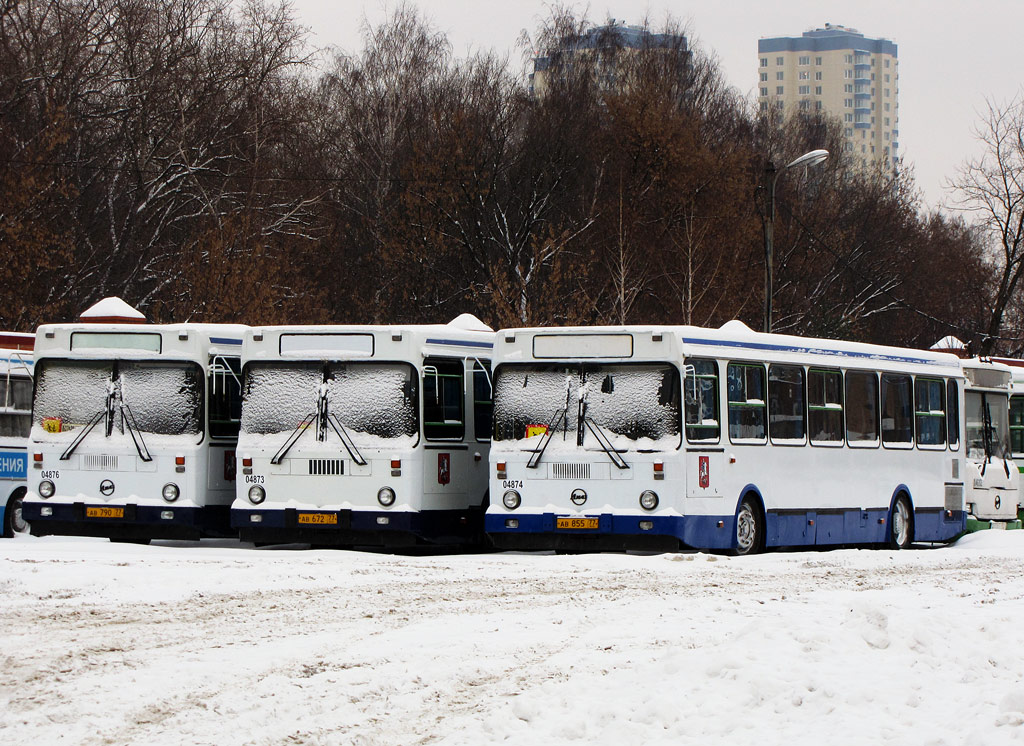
{"points": [[134, 429], [724, 439], [365, 435], [15, 421]]}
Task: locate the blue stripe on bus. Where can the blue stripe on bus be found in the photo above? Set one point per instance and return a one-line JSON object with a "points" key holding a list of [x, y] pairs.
{"points": [[225, 341], [461, 343], [16, 361], [815, 351]]}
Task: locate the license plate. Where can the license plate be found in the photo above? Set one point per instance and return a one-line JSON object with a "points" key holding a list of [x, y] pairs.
{"points": [[319, 519], [576, 523], [104, 512]]}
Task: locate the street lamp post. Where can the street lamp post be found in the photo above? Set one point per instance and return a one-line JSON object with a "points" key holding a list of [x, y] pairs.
{"points": [[771, 176]]}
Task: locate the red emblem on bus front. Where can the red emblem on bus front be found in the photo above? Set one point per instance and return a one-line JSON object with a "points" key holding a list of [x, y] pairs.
{"points": [[444, 468], [704, 472]]}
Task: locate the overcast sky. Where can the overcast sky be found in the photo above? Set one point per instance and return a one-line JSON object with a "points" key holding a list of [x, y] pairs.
{"points": [[954, 55]]}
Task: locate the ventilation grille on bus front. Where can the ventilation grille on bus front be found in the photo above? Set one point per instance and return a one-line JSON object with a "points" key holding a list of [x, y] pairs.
{"points": [[323, 467], [97, 462], [569, 471]]}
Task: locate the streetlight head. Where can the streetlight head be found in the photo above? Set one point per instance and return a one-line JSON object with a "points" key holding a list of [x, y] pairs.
{"points": [[809, 159]]}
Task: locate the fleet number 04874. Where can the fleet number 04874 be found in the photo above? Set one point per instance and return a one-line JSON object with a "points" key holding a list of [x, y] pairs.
{"points": [[512, 484]]}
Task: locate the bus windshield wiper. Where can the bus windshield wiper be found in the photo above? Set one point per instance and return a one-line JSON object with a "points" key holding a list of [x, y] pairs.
{"points": [[605, 442], [325, 417], [115, 404], [545, 439], [85, 431], [296, 434]]}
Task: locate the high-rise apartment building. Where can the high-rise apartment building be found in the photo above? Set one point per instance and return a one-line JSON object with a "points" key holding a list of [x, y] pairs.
{"points": [[841, 72], [606, 47]]}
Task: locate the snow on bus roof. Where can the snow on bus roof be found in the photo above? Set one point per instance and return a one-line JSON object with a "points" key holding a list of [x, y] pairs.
{"points": [[112, 310], [470, 323]]}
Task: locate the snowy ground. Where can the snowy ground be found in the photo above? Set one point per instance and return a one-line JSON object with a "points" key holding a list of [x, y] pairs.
{"points": [[223, 644]]}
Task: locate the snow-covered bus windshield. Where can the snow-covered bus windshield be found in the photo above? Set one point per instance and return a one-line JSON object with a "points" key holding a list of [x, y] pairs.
{"points": [[373, 398], [165, 398], [988, 428], [640, 402]]}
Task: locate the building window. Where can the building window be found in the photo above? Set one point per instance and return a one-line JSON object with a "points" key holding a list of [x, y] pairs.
{"points": [[817, 60], [764, 62], [849, 147], [887, 63], [805, 90], [779, 75], [848, 59], [817, 75], [848, 88], [804, 61], [778, 90], [848, 132], [817, 90], [817, 105], [872, 107], [848, 74], [887, 121], [803, 105], [885, 135], [764, 77], [805, 75], [848, 117], [887, 77], [764, 91], [886, 93], [886, 106], [780, 60]]}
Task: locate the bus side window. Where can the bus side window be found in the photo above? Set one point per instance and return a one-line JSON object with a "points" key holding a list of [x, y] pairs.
{"points": [[483, 400], [1017, 425], [897, 415], [786, 404], [225, 408], [861, 408], [953, 411], [16, 401], [825, 406], [929, 412], [701, 388], [746, 402], [443, 393]]}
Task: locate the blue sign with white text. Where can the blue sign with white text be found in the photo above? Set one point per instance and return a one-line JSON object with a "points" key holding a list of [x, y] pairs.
{"points": [[13, 465]]}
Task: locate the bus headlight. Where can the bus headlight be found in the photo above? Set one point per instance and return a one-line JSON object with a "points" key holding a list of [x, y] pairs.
{"points": [[257, 494], [170, 492], [511, 499], [648, 500], [46, 488], [386, 496]]}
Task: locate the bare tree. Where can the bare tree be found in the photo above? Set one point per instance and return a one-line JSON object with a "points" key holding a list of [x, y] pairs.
{"points": [[990, 188]]}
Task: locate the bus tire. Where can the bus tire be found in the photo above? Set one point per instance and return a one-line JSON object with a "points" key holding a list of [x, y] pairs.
{"points": [[750, 527], [14, 520], [901, 523]]}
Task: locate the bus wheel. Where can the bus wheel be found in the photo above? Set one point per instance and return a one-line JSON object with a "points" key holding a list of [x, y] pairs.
{"points": [[749, 528], [901, 524], [14, 518]]}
